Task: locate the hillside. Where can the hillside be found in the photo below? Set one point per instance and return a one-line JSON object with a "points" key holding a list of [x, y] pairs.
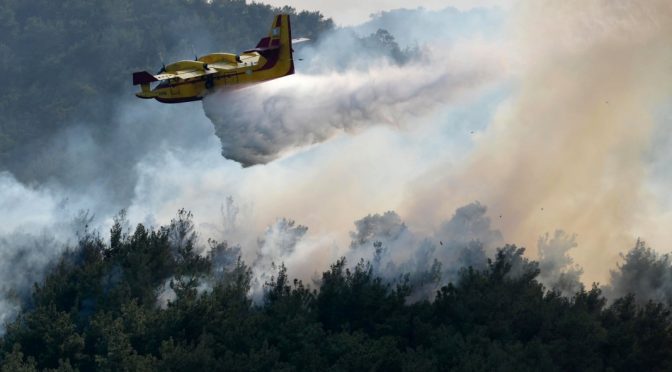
{"points": [[146, 300]]}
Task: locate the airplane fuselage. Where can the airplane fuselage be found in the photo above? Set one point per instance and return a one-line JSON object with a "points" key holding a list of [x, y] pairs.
{"points": [[186, 81]]}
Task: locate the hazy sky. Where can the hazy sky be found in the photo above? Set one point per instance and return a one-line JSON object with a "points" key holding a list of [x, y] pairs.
{"points": [[350, 12]]}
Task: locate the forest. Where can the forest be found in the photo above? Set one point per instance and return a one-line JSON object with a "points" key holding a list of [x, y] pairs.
{"points": [[161, 298], [156, 299]]}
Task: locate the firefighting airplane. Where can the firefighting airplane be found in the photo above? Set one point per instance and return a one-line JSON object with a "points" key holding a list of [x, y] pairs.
{"points": [[186, 81]]}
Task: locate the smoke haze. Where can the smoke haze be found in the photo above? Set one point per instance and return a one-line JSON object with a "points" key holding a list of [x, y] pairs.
{"points": [[550, 119], [568, 150], [258, 124]]}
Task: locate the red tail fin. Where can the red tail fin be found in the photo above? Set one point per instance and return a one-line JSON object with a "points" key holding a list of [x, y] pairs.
{"points": [[143, 77]]}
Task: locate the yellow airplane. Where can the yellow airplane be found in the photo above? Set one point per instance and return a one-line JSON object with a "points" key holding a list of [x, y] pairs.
{"points": [[186, 81]]}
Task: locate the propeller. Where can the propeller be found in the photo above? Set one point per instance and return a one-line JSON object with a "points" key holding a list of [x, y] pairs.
{"points": [[193, 50], [163, 64]]}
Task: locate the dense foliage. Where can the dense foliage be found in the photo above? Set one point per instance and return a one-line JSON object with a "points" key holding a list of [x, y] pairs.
{"points": [[149, 300], [63, 61]]}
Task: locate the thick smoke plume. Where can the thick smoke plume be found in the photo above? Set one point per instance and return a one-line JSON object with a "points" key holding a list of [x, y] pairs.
{"points": [[397, 253], [554, 134], [569, 150], [276, 246], [41, 226], [557, 268], [260, 123]]}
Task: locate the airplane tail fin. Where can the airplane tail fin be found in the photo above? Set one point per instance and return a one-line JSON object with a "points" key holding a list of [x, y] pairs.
{"points": [[143, 77], [280, 37]]}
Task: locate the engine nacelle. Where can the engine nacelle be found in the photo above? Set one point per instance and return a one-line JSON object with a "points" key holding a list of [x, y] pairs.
{"points": [[220, 57], [186, 65]]}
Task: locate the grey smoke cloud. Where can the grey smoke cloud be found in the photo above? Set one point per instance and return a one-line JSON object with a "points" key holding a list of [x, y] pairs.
{"points": [[643, 273], [558, 270], [38, 225], [410, 26], [467, 239], [24, 258], [569, 148], [153, 159], [470, 223], [346, 88], [352, 12], [275, 246], [162, 158]]}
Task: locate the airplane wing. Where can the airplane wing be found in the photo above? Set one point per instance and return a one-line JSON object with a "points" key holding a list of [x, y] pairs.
{"points": [[221, 67], [144, 77], [188, 74]]}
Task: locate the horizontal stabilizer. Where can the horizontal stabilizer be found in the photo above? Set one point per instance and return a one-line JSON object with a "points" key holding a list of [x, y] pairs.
{"points": [[143, 77]]}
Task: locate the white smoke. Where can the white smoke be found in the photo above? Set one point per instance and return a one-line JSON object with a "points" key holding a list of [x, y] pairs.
{"points": [[569, 149], [558, 270], [397, 253], [39, 224], [276, 246], [421, 138], [260, 123]]}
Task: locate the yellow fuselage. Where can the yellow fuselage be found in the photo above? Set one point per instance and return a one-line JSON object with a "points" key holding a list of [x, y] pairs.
{"points": [[185, 81]]}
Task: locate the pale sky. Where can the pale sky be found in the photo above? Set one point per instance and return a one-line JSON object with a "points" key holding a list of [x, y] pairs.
{"points": [[352, 12]]}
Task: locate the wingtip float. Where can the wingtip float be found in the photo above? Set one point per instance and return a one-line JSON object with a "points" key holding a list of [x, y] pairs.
{"points": [[186, 81]]}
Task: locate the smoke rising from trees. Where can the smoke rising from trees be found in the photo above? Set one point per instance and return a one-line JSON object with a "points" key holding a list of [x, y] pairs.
{"points": [[570, 149], [545, 159]]}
